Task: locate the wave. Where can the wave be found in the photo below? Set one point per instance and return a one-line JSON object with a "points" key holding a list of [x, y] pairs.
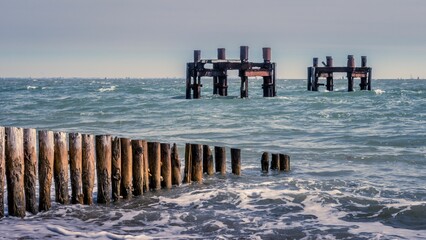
{"points": [[31, 87], [378, 91], [108, 89]]}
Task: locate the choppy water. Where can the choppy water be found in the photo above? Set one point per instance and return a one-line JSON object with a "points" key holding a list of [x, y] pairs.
{"points": [[358, 159]]}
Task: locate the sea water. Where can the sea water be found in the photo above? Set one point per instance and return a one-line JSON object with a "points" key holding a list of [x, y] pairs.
{"points": [[358, 158]]}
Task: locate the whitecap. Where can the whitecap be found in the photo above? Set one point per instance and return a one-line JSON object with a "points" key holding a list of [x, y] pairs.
{"points": [[379, 91], [31, 87], [108, 89]]}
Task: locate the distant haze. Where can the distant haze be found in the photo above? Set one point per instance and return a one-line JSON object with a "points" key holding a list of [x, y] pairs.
{"points": [[105, 38]]}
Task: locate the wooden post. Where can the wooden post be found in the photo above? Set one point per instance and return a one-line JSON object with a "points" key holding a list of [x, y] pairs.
{"points": [[60, 172], [274, 72], [220, 84], [369, 79], [220, 159], [309, 82], [197, 162], [314, 75], [154, 153], [266, 54], [145, 166], [2, 170], [275, 162], [265, 162], [116, 168], [45, 168], [196, 86], [284, 162], [363, 85], [15, 171], [176, 175], [330, 82], [236, 161], [188, 80], [188, 164], [208, 164], [138, 168], [126, 168], [30, 176], [103, 167], [76, 165], [351, 64], [166, 166], [88, 167]]}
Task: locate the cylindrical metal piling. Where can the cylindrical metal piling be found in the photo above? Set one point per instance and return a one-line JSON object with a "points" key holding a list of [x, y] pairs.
{"points": [[244, 53], [145, 166], [154, 153], [266, 54], [88, 167], [166, 166], [221, 54], [103, 167], [45, 168], [275, 162], [15, 171], [138, 168], [176, 174], [2, 171], [76, 165], [220, 159], [265, 162], [284, 162], [208, 163], [236, 161], [30, 176], [60, 172], [188, 164], [126, 168], [116, 168], [197, 162]]}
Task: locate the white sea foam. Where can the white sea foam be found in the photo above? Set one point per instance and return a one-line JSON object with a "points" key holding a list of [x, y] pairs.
{"points": [[31, 87], [378, 91], [107, 89]]}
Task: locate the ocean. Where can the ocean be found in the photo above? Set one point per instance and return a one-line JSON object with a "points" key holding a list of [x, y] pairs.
{"points": [[358, 158]]}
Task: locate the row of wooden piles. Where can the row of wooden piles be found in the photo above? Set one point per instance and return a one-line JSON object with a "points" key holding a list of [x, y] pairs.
{"points": [[279, 162], [124, 167]]}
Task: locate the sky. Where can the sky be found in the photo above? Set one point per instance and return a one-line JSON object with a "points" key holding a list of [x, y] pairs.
{"points": [[155, 38]]}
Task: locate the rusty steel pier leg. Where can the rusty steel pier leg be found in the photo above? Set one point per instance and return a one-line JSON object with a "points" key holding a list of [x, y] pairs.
{"points": [[268, 86], [196, 88], [330, 83], [351, 66], [244, 80], [363, 84]]}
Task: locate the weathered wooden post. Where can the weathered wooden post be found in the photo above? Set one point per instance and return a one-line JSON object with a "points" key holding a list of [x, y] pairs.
{"points": [[275, 162], [116, 168], [189, 68], [268, 86], [103, 167], [196, 86], [197, 162], [138, 168], [351, 65], [265, 162], [2, 170], [188, 164], [220, 159], [208, 164], [309, 82], [60, 172], [154, 153], [363, 84], [236, 161], [45, 168], [330, 82], [222, 85], [369, 79], [30, 176], [145, 166], [166, 166], [126, 168], [176, 175], [76, 165], [88, 167], [15, 171], [284, 162], [244, 52]]}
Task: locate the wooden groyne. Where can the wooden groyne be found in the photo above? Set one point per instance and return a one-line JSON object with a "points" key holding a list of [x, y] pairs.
{"points": [[123, 167], [218, 70], [316, 72]]}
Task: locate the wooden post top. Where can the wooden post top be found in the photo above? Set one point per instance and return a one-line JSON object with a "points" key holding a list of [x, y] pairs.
{"points": [[221, 54], [197, 56], [363, 61], [244, 53], [266, 54], [351, 61], [315, 62]]}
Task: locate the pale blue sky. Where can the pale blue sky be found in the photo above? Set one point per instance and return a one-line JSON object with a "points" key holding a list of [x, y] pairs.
{"points": [[106, 38]]}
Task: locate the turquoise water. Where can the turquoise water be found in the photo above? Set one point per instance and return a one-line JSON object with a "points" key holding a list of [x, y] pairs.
{"points": [[358, 159]]}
